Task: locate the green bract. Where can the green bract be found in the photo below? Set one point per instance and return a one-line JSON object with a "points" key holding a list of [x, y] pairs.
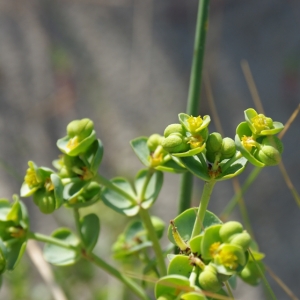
{"points": [[80, 135], [14, 226], [152, 155], [259, 124]]}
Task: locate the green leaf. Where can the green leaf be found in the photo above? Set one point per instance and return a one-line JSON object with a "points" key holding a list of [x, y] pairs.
{"points": [[153, 187], [191, 152], [193, 296], [139, 146], [119, 202], [58, 190], [171, 166], [180, 265], [185, 223], [236, 168], [60, 256], [15, 252], [211, 235], [90, 229], [195, 166], [171, 285], [195, 244]]}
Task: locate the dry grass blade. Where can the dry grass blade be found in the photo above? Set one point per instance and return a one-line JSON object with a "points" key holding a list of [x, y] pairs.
{"points": [[44, 269], [289, 122], [252, 86], [282, 284]]}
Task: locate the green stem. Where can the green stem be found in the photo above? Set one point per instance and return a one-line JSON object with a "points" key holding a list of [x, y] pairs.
{"points": [[185, 196], [49, 239], [207, 190], [144, 214], [77, 222], [264, 279], [144, 189], [107, 183], [232, 203], [132, 285]]}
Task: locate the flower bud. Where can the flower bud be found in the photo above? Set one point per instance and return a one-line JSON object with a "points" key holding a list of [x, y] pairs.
{"points": [[174, 143], [229, 229], [209, 280], [241, 239], [228, 148], [174, 128], [251, 273], [154, 141], [214, 142], [80, 128]]}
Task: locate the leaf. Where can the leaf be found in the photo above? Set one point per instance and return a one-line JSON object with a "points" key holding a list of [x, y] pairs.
{"points": [[190, 152], [118, 202], [139, 146], [195, 166], [171, 285], [171, 166], [153, 187], [180, 265], [193, 296], [93, 156], [236, 168], [185, 223], [60, 256], [15, 252], [90, 229]]}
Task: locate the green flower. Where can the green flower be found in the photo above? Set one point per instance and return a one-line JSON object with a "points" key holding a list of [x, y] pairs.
{"points": [[80, 136]]}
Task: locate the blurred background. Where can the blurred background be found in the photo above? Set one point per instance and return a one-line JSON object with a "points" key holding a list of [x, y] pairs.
{"points": [[125, 64]]}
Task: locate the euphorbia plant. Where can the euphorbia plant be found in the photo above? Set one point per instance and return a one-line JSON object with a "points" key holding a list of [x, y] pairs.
{"points": [[211, 253]]}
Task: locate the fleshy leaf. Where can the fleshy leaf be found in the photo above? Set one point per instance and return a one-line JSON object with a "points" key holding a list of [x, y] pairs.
{"points": [[139, 146], [171, 285], [196, 166], [153, 187], [90, 229], [119, 202], [185, 223], [180, 265], [60, 256]]}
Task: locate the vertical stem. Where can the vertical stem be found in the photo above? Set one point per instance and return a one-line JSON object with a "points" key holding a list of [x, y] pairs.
{"points": [[132, 285], [155, 242], [194, 93], [207, 190]]}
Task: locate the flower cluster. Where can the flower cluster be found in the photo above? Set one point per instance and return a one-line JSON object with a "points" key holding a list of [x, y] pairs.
{"points": [[255, 139]]}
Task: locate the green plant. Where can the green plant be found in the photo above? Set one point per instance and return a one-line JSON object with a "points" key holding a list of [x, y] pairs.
{"points": [[212, 253]]}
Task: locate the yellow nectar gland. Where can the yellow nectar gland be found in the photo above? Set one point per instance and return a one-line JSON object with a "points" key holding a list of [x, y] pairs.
{"points": [[248, 142], [31, 178], [73, 143], [195, 141], [228, 259], [156, 160], [261, 122], [49, 185], [214, 248], [194, 123]]}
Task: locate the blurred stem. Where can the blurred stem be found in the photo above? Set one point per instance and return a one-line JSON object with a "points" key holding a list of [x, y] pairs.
{"points": [[232, 203], [77, 222], [132, 285], [50, 240], [207, 190], [194, 93], [144, 214]]}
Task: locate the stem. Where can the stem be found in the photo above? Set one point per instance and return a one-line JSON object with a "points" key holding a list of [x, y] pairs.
{"points": [[264, 279], [132, 285], [148, 177], [144, 214], [77, 222], [49, 239], [105, 182], [229, 290], [207, 190], [232, 203], [194, 94]]}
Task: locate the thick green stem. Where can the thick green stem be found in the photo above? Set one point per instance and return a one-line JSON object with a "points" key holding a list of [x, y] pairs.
{"points": [[207, 190], [49, 239], [132, 285], [194, 93], [144, 214]]}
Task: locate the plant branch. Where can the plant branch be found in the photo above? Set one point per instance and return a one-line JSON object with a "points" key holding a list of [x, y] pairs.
{"points": [[185, 195]]}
